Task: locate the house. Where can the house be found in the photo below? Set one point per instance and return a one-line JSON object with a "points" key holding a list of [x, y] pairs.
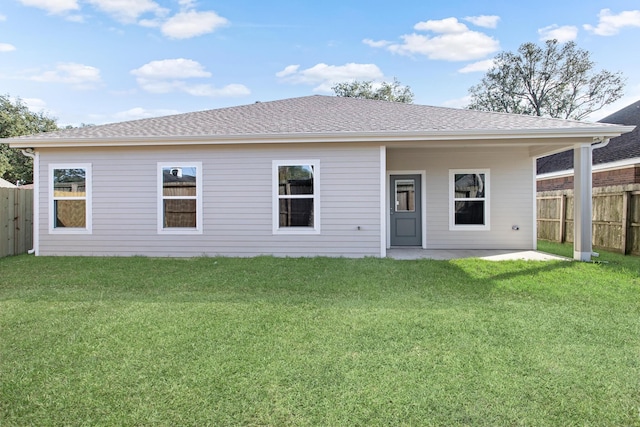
{"points": [[616, 164], [315, 175], [6, 184]]}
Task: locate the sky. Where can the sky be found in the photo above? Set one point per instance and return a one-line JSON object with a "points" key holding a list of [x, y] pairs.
{"points": [[103, 61]]}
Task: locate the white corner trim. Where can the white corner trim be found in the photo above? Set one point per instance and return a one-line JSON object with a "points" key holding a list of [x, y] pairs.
{"points": [[36, 203], [383, 202], [534, 237]]}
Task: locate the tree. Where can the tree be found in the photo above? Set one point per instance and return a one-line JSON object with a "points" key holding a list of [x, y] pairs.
{"points": [[394, 92], [555, 81], [17, 120]]}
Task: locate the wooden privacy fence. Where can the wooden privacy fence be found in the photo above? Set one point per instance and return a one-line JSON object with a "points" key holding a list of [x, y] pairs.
{"points": [[16, 221], [616, 217]]}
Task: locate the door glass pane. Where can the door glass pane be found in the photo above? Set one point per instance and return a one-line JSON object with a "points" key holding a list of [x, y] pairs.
{"points": [[405, 195]]}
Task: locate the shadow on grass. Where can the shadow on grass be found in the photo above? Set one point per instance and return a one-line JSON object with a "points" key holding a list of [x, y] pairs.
{"points": [[276, 280]]}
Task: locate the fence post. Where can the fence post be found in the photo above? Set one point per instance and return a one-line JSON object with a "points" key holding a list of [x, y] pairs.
{"points": [[626, 226], [563, 217]]}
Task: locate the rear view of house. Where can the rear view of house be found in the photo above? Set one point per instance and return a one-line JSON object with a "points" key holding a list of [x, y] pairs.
{"points": [[305, 176]]}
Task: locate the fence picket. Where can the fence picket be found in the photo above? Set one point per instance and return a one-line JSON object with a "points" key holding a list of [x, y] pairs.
{"points": [[616, 211], [16, 221]]}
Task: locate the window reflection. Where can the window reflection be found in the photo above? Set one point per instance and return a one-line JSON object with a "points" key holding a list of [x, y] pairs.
{"points": [[405, 195], [470, 186]]}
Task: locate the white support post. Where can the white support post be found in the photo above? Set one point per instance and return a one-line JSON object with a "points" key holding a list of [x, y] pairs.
{"points": [[582, 209]]}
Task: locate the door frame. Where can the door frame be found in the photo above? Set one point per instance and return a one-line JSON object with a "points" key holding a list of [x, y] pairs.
{"points": [[423, 202]]}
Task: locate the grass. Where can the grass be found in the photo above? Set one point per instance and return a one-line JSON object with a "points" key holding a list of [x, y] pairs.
{"points": [[267, 341]]}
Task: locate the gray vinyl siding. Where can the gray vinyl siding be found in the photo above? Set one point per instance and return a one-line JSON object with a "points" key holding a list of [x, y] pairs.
{"points": [[237, 202], [511, 195]]}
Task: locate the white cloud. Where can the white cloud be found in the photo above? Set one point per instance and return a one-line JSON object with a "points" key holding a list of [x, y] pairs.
{"points": [[142, 113], [171, 69], [611, 24], [189, 24], [128, 11], [53, 6], [78, 76], [458, 102], [486, 21], [288, 70], [150, 23], [172, 75], [324, 76], [2, 18], [445, 26], [34, 104], [453, 41], [74, 18], [379, 43], [231, 90], [187, 4], [480, 66], [6, 47], [562, 34]]}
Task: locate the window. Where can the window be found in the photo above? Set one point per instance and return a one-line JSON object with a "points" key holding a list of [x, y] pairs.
{"points": [[70, 198], [180, 198], [296, 196], [469, 195]]}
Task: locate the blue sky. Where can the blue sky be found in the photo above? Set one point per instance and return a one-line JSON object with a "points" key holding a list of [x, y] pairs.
{"points": [[100, 61]]}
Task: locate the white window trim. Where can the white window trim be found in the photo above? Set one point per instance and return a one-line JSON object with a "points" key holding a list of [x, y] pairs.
{"points": [[88, 229], [487, 197], [316, 198], [198, 198]]}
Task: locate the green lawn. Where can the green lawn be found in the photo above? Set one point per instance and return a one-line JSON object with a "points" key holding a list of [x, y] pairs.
{"points": [[331, 342]]}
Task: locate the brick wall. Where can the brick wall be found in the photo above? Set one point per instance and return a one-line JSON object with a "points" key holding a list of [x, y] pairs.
{"points": [[627, 175]]}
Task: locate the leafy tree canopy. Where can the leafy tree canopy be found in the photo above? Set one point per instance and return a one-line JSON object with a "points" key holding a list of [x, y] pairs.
{"points": [[394, 92], [17, 120], [554, 80]]}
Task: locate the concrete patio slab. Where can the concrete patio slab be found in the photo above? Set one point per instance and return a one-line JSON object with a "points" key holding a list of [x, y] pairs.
{"points": [[487, 254]]}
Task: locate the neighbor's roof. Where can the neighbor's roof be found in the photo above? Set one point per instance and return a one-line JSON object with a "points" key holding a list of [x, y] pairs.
{"points": [[324, 117], [6, 184], [624, 147]]}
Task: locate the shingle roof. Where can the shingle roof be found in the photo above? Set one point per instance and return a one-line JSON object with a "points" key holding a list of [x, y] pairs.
{"points": [[626, 146], [6, 184], [315, 114]]}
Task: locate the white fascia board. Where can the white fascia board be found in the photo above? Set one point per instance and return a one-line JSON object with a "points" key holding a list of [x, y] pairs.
{"points": [[326, 137]]}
